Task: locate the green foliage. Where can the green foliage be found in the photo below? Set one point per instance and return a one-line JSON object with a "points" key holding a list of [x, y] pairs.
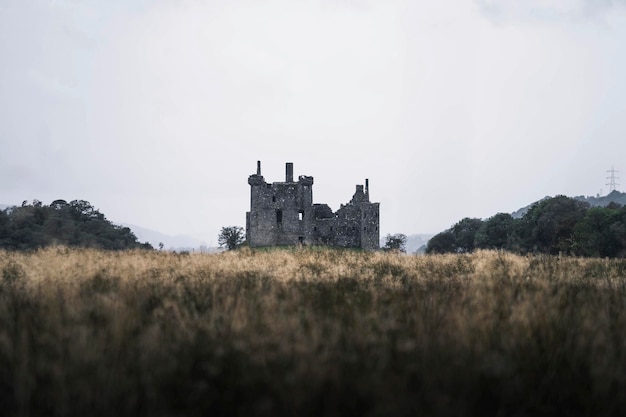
{"points": [[459, 238], [465, 233], [559, 225], [76, 224], [395, 242], [444, 242], [548, 226], [231, 237], [602, 232], [495, 232]]}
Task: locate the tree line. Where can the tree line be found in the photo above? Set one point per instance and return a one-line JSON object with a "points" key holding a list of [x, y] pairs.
{"points": [[558, 225], [75, 224]]}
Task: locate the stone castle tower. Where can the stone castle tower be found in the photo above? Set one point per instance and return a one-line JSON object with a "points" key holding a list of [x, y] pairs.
{"points": [[283, 213]]}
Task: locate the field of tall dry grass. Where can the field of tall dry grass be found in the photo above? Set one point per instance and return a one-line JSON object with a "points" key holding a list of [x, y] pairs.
{"points": [[310, 332]]}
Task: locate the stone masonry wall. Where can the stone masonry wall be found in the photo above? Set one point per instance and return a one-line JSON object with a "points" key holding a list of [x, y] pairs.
{"points": [[283, 213]]}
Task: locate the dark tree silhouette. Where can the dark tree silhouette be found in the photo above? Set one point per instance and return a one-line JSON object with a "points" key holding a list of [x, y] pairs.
{"points": [[77, 224], [558, 225], [395, 242], [230, 237]]}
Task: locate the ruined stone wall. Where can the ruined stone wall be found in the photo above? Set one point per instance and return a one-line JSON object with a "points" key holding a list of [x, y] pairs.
{"points": [[283, 213], [370, 235], [347, 225], [280, 212]]}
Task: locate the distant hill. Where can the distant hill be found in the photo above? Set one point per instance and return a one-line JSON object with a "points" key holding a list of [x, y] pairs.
{"points": [[520, 213], [612, 197], [178, 242], [417, 242]]}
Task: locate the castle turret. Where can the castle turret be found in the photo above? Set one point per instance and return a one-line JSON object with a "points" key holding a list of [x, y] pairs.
{"points": [[256, 179]]}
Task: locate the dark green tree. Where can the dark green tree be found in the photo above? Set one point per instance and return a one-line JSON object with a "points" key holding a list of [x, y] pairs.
{"points": [[465, 233], [458, 239], [396, 241], [548, 226], [558, 225], [83, 210], [497, 232], [618, 228], [444, 242], [36, 225], [601, 232], [230, 237]]}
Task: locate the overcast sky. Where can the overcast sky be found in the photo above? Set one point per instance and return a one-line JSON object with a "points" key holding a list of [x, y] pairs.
{"points": [[157, 111]]}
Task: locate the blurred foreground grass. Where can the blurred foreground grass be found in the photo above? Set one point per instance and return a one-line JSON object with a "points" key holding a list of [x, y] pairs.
{"points": [[310, 333]]}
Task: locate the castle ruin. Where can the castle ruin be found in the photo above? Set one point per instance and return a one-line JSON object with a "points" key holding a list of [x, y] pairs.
{"points": [[283, 213]]}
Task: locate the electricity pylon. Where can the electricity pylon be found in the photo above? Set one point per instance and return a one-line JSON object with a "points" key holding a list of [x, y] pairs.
{"points": [[612, 184]]}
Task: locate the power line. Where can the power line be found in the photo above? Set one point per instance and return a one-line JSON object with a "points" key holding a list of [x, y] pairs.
{"points": [[612, 184]]}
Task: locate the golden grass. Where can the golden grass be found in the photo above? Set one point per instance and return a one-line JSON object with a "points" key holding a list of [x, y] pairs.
{"points": [[310, 332]]}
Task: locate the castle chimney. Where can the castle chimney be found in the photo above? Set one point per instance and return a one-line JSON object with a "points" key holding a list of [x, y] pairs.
{"points": [[367, 188], [289, 172], [258, 167]]}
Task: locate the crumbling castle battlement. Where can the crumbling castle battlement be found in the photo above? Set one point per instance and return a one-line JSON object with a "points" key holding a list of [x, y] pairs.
{"points": [[283, 213]]}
